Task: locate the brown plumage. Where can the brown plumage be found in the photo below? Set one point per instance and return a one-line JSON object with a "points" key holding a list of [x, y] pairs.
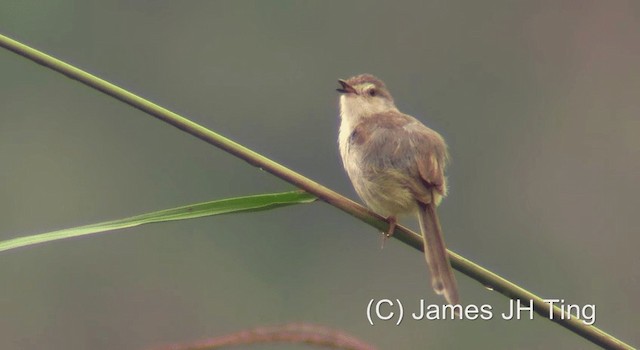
{"points": [[396, 165]]}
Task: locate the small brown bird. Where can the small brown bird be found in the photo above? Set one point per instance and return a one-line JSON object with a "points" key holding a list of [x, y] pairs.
{"points": [[396, 165]]}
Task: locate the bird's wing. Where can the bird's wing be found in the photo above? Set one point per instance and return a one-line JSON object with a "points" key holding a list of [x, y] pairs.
{"points": [[393, 140], [431, 157]]}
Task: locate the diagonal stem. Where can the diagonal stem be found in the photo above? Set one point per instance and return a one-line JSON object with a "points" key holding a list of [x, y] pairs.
{"points": [[475, 271]]}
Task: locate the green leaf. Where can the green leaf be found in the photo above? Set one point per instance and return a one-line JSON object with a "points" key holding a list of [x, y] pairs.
{"points": [[224, 206]]}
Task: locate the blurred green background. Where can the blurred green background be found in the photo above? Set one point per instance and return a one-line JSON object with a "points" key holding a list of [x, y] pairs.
{"points": [[538, 100]]}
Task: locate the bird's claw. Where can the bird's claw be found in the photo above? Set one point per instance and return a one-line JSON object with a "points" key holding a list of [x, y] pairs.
{"points": [[392, 227]]}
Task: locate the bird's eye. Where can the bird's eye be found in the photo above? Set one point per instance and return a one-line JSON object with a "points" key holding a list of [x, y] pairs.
{"points": [[373, 92]]}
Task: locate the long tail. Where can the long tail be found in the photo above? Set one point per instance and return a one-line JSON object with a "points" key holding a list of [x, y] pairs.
{"points": [[442, 278]]}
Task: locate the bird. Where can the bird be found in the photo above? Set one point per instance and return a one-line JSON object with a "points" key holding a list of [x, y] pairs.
{"points": [[397, 167]]}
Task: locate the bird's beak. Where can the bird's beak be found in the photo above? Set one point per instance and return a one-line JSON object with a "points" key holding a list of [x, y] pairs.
{"points": [[346, 88]]}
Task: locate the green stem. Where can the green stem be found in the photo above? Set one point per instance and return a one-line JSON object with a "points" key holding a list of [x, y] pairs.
{"points": [[478, 273]]}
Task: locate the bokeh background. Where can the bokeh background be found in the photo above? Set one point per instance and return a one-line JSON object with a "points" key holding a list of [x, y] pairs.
{"points": [[538, 100]]}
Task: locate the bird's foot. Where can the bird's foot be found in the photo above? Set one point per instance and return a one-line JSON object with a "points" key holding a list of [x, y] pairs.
{"points": [[392, 227]]}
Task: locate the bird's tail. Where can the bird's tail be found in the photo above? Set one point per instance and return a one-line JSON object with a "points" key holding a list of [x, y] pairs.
{"points": [[442, 278]]}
